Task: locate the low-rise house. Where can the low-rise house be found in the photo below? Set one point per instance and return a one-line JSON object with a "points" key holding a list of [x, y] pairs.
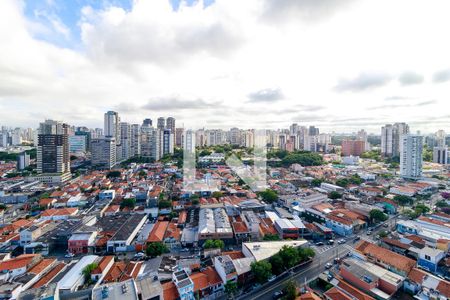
{"points": [[392, 261], [121, 271], [103, 267], [370, 278], [58, 214], [81, 242], [426, 286], [14, 267], [429, 258], [125, 290], [74, 278]]}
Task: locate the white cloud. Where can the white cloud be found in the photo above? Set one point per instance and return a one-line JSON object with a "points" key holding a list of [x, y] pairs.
{"points": [[138, 60]]}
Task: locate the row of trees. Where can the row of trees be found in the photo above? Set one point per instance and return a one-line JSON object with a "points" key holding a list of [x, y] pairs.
{"points": [[285, 259]]}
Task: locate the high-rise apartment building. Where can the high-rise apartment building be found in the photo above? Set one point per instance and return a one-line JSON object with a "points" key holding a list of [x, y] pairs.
{"points": [[362, 136], [151, 143], [167, 139], [391, 137], [313, 131], [161, 123], [125, 141], [411, 147], [147, 122], [353, 148], [77, 144], [235, 136], [23, 161], [112, 130], [135, 140], [440, 155], [179, 137], [53, 159], [103, 152]]}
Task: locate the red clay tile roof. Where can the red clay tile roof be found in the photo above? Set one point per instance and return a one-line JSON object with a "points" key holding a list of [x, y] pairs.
{"points": [[444, 288], [386, 256], [354, 291], [234, 254], [336, 294], [49, 276], [200, 281], [104, 262], [158, 231], [17, 262], [170, 291], [416, 275], [42, 265]]}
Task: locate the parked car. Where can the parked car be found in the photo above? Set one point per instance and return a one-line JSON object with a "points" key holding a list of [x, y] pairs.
{"points": [[272, 278], [357, 239], [337, 260], [341, 241], [385, 225], [369, 232], [328, 266], [277, 295], [330, 242], [319, 244], [69, 255]]}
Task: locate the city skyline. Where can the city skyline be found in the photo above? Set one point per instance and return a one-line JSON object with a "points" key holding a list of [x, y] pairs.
{"points": [[261, 64]]}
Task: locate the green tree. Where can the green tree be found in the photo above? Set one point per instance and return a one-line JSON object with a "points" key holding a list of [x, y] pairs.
{"points": [[442, 203], [87, 271], [130, 203], [113, 174], [316, 182], [290, 256], [306, 253], [403, 200], [268, 195], [277, 264], [303, 158], [290, 290], [342, 182], [156, 249], [334, 195], [383, 234], [377, 215], [262, 270], [217, 195], [271, 237], [230, 288], [210, 244], [421, 209], [164, 204]]}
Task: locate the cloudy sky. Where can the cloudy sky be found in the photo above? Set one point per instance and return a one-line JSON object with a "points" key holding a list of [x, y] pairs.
{"points": [[337, 64]]}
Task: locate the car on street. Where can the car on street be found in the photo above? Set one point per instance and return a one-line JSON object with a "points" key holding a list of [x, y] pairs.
{"points": [[319, 244], [328, 266], [69, 255], [341, 241], [272, 278], [369, 232], [356, 239], [277, 295], [330, 242]]}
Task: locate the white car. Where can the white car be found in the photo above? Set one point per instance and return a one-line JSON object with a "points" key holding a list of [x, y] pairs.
{"points": [[69, 255]]}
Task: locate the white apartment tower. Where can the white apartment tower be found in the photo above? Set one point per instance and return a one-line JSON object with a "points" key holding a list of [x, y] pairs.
{"points": [[125, 141], [112, 130], [411, 148]]}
